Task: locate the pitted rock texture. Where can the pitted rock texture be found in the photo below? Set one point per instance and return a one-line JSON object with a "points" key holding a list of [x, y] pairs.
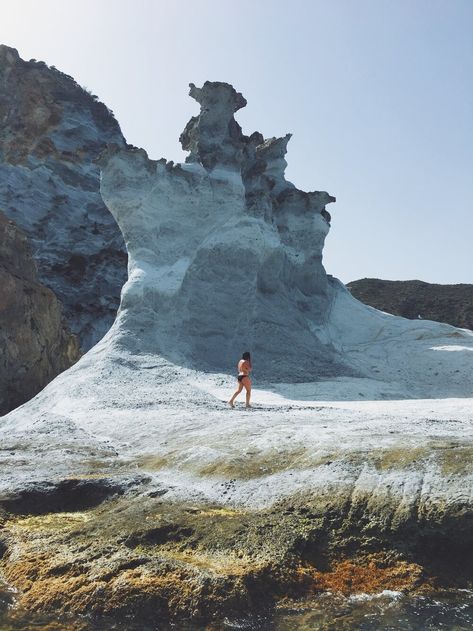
{"points": [[416, 299], [50, 132], [214, 137], [34, 344], [225, 254]]}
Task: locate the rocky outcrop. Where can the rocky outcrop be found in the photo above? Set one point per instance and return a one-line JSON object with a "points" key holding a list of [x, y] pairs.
{"points": [[35, 346], [154, 561], [223, 248], [50, 132], [415, 299], [225, 254]]}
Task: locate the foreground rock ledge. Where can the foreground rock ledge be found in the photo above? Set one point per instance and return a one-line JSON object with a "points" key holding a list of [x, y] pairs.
{"points": [[149, 559]]}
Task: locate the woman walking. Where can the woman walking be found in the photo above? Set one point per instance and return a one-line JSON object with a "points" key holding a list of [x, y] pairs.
{"points": [[244, 381]]}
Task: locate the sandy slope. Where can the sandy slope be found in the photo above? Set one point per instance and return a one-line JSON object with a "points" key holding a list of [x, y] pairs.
{"points": [[115, 414]]}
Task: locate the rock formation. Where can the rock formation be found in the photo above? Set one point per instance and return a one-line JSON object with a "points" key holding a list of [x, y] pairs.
{"points": [[415, 299], [153, 499], [226, 254], [34, 344], [50, 132]]}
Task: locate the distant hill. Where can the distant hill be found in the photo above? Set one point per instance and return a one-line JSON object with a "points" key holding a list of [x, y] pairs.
{"points": [[413, 298]]}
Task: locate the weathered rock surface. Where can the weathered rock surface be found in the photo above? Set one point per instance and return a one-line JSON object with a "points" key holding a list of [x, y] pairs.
{"points": [[333, 481], [35, 346], [414, 299], [224, 252], [50, 132], [145, 560]]}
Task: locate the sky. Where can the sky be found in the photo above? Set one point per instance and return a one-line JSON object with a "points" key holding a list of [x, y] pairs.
{"points": [[378, 95]]}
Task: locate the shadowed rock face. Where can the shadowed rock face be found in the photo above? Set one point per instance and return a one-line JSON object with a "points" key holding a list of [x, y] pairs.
{"points": [[50, 131], [225, 254], [214, 137], [34, 344], [413, 299]]}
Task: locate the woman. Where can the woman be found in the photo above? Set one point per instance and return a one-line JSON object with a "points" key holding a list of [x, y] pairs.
{"points": [[244, 381]]}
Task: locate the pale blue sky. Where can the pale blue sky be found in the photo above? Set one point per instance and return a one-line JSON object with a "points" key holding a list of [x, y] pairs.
{"points": [[378, 95]]}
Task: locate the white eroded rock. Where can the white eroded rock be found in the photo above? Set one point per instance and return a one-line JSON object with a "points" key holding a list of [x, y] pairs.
{"points": [[226, 255]]}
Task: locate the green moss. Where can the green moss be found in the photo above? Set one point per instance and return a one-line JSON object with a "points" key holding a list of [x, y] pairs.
{"points": [[399, 457], [456, 460], [50, 522], [247, 466], [451, 457], [262, 464], [152, 462]]}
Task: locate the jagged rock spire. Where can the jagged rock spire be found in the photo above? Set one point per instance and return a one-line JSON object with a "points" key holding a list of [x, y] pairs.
{"points": [[214, 137]]}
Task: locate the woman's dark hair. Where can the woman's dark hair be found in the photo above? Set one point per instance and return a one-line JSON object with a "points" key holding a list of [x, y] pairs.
{"points": [[246, 356]]}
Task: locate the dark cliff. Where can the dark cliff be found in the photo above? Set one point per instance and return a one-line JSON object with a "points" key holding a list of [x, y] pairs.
{"points": [[35, 345], [51, 130]]}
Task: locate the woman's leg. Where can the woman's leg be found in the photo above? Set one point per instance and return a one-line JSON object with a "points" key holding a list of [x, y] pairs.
{"points": [[247, 384], [240, 388]]}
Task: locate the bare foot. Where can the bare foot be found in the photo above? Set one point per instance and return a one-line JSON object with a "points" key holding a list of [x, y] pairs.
{"points": [[231, 404], [248, 406]]}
